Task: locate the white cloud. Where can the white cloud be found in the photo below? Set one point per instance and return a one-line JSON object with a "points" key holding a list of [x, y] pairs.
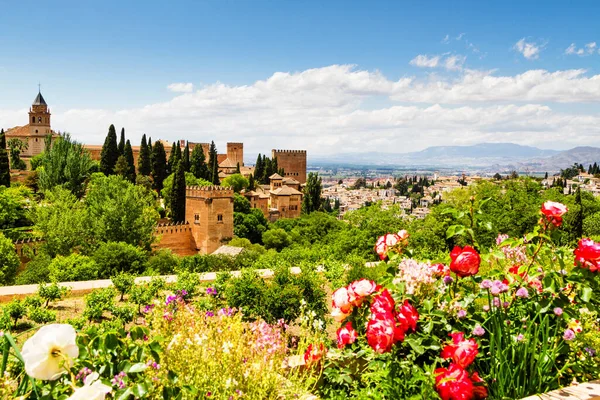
{"points": [[530, 50], [454, 62], [181, 87], [460, 36], [588, 49], [341, 108], [425, 61], [446, 39]]}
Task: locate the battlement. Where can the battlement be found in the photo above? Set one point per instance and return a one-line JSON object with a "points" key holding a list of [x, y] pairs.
{"points": [[177, 227], [208, 191], [277, 151], [234, 144]]}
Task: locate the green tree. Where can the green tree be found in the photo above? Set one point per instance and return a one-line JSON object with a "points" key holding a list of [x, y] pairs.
{"points": [[144, 164], [120, 211], [178, 194], [121, 146], [251, 184], [235, 181], [66, 163], [16, 146], [259, 169], [4, 164], [240, 204], [213, 164], [118, 257], [14, 202], [578, 215], [198, 165], [74, 267], [277, 239], [312, 194], [174, 157], [128, 151], [121, 167], [190, 180], [9, 262], [185, 158], [110, 152], [250, 226], [159, 165]]}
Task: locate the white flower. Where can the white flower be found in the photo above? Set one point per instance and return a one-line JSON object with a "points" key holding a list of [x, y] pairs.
{"points": [[49, 351], [93, 389], [227, 347]]}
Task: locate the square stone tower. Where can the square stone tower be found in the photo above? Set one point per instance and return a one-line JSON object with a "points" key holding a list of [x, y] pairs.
{"points": [[293, 163], [235, 153], [209, 211]]}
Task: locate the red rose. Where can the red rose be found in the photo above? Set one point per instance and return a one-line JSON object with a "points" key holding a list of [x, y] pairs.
{"points": [[407, 316], [465, 261], [461, 351], [453, 383], [383, 303], [587, 254], [341, 300], [385, 242], [479, 389], [314, 353], [360, 289], [553, 212], [381, 333], [346, 335]]}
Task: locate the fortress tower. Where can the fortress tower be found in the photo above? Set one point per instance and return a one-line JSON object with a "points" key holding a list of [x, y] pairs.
{"points": [[235, 153], [293, 163], [209, 211]]}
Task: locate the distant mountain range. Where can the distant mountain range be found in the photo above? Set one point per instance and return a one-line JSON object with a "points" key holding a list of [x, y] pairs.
{"points": [[484, 157]]}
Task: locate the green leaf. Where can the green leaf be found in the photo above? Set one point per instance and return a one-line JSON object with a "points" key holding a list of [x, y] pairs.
{"points": [[416, 346], [111, 341], [123, 394], [586, 294], [140, 390], [139, 367]]}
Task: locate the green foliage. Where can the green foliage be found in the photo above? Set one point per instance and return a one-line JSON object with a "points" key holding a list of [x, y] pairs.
{"points": [[189, 282], [41, 315], [185, 157], [178, 194], [52, 292], [250, 226], [9, 262], [190, 180], [123, 282], [312, 194], [141, 295], [32, 301], [276, 239], [159, 165], [241, 204], [15, 310], [235, 181], [110, 152], [74, 267], [118, 257], [120, 211], [213, 164], [121, 146], [13, 202], [97, 302], [16, 146], [198, 165], [64, 163], [128, 153], [125, 312], [36, 270], [163, 262], [144, 162], [4, 164]]}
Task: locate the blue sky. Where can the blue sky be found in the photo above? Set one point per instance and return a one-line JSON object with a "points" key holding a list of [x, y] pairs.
{"points": [[103, 62]]}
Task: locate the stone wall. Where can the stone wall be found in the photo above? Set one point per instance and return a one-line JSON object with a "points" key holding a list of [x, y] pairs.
{"points": [[175, 237], [293, 163]]}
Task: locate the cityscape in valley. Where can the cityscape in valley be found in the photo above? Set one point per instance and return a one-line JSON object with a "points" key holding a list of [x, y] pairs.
{"points": [[300, 200]]}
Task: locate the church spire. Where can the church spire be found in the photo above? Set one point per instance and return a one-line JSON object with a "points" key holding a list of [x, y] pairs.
{"points": [[39, 100]]}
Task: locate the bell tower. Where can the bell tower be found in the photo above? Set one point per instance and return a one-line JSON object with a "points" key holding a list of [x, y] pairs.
{"points": [[39, 117]]}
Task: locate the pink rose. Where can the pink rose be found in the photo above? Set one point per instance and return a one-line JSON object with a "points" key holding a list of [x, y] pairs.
{"points": [[341, 300], [587, 254], [338, 315], [346, 335], [358, 290], [403, 234], [553, 212]]}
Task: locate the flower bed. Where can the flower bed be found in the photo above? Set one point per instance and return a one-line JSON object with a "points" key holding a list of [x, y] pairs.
{"points": [[508, 322]]}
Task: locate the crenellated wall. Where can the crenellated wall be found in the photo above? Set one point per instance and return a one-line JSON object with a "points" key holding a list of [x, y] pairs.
{"points": [[293, 163], [176, 237]]}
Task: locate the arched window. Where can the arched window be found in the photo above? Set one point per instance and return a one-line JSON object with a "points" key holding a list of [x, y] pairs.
{"points": [[33, 120]]}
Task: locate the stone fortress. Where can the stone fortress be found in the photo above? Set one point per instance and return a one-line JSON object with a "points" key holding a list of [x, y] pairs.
{"points": [[209, 210]]}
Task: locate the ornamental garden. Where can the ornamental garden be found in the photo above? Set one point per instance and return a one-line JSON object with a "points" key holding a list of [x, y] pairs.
{"points": [[491, 296]]}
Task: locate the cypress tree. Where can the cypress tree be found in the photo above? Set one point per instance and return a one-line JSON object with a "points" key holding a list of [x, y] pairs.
{"points": [[251, 184], [144, 166], [546, 176], [312, 194], [4, 164], [159, 165], [178, 194], [578, 217], [198, 165], [173, 159], [150, 145], [130, 163], [213, 164], [121, 168], [121, 146], [237, 168], [259, 168], [185, 158], [110, 152]]}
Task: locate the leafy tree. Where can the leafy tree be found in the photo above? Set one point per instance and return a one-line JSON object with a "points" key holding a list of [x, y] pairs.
{"points": [[13, 206], [240, 204], [120, 211], [64, 163], [159, 165], [198, 165], [74, 267], [250, 226], [4, 165], [237, 168], [185, 158], [9, 262], [164, 262], [213, 164], [251, 184], [121, 146], [118, 257], [52, 292], [276, 239], [121, 168], [16, 146], [178, 194], [236, 181], [123, 282], [144, 164], [110, 152], [312, 194], [130, 161], [190, 180]]}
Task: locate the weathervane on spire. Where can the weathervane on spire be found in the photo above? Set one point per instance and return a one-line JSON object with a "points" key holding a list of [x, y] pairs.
{"points": [[39, 87]]}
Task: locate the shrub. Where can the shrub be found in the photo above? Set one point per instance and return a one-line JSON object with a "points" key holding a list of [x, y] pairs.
{"points": [[276, 239], [41, 315], [74, 267], [123, 282], [97, 302], [9, 262], [189, 282], [32, 302], [52, 292], [141, 295], [164, 262], [15, 310], [36, 270], [126, 313], [117, 257]]}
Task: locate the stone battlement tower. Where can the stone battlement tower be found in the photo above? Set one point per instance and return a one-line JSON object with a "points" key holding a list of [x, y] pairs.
{"points": [[209, 211], [293, 163]]}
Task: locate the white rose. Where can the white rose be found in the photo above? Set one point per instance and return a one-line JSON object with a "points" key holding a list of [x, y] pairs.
{"points": [[93, 389], [48, 353]]}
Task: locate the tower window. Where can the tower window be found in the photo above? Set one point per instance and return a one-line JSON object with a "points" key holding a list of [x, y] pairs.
{"points": [[196, 218], [220, 218], [36, 131], [33, 120]]}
